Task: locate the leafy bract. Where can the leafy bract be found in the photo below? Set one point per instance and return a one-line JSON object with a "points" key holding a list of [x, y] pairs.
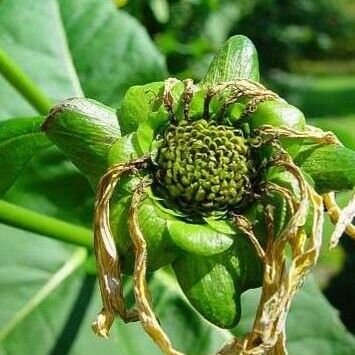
{"points": [[221, 226], [142, 103], [198, 239], [84, 130], [210, 287], [138, 102], [213, 285], [332, 167], [160, 248], [237, 59], [147, 131]]}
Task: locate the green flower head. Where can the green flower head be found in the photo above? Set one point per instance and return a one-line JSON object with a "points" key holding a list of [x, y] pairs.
{"points": [[215, 179], [204, 167]]}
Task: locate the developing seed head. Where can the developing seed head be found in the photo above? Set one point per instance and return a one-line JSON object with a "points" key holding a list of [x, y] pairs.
{"points": [[204, 167]]}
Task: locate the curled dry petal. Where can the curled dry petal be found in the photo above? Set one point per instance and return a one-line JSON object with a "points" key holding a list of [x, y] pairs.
{"points": [[281, 282], [341, 218], [107, 259], [141, 292]]}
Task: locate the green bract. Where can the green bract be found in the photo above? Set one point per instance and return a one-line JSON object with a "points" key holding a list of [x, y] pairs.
{"points": [[200, 177]]}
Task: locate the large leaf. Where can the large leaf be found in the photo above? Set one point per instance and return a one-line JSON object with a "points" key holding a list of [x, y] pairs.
{"points": [[36, 37], [35, 271], [89, 37], [113, 37], [110, 49], [313, 326], [53, 186], [20, 140], [55, 299], [52, 297], [46, 59]]}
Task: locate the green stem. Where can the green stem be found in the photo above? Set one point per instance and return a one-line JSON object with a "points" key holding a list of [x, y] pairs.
{"points": [[51, 227], [23, 84]]}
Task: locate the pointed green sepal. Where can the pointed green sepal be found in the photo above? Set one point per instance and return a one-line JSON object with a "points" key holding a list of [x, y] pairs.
{"points": [[237, 59], [214, 284]]}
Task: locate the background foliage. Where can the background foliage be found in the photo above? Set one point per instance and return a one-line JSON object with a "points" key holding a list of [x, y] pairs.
{"points": [[48, 291]]}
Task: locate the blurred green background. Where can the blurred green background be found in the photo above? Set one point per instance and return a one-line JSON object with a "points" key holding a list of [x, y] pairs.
{"points": [[306, 53]]}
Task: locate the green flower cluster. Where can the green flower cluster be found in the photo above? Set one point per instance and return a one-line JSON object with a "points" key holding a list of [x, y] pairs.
{"points": [[204, 166]]}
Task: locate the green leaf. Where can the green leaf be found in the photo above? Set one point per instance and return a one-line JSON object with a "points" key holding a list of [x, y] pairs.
{"points": [[53, 186], [332, 167], [237, 59], [313, 325], [188, 331], [35, 267], [111, 51], [198, 239], [46, 60], [20, 140], [84, 130], [56, 299], [138, 102], [88, 38]]}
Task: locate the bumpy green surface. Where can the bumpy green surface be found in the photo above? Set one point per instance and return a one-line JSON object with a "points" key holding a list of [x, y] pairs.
{"points": [[204, 166]]}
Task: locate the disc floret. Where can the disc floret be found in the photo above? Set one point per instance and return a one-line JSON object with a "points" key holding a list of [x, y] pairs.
{"points": [[204, 166]]}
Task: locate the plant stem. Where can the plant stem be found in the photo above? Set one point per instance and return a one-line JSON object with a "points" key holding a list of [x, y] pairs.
{"points": [[23, 84], [51, 227]]}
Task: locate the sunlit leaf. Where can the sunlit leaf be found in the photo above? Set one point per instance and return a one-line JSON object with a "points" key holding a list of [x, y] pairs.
{"points": [[20, 140]]}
